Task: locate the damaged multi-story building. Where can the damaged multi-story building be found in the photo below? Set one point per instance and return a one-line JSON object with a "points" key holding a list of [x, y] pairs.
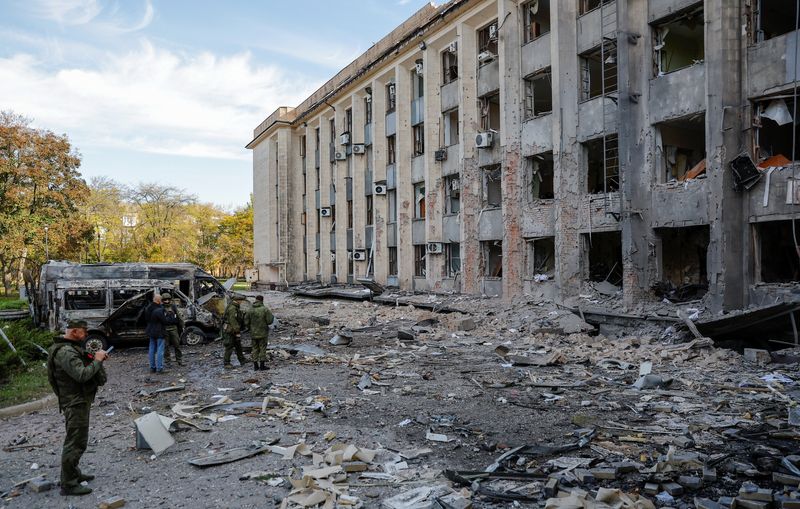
{"points": [[515, 148]]}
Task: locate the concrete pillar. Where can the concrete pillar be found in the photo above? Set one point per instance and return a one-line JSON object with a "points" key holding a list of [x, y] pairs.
{"points": [[261, 214], [294, 259], [340, 181], [434, 201], [568, 174], [324, 200], [359, 167], [380, 203], [724, 122], [513, 189], [405, 198], [470, 176]]}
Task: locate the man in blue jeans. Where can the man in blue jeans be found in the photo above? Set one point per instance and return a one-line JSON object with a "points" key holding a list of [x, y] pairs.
{"points": [[156, 330]]}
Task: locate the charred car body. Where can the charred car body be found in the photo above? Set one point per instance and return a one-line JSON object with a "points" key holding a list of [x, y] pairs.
{"points": [[112, 298]]}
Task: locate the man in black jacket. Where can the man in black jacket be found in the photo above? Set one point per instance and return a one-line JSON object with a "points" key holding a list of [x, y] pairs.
{"points": [[156, 325]]}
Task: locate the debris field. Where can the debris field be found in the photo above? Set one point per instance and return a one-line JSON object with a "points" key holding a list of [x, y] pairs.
{"points": [[377, 405]]}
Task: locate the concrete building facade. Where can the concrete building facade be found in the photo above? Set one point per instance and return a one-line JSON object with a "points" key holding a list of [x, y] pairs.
{"points": [[517, 148]]}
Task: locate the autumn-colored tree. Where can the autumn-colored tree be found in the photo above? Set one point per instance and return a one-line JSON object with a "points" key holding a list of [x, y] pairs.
{"points": [[235, 242], [40, 190]]}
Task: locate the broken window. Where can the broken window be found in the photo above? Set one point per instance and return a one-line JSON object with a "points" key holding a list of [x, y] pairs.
{"points": [[487, 43], [683, 256], [348, 120], [598, 71], [419, 201], [538, 94], [419, 139], [332, 141], [775, 129], [541, 258], [539, 175], [316, 152], [393, 261], [451, 131], [391, 200], [417, 83], [773, 18], [682, 143], [75, 300], [490, 112], [449, 66], [585, 6], [492, 187], [391, 149], [333, 218], [333, 263], [368, 109], [604, 251], [535, 19], [120, 296], [452, 256], [349, 213], [370, 215], [391, 97], [492, 258], [602, 163], [777, 257], [452, 193], [419, 260], [350, 265], [303, 147], [678, 41]]}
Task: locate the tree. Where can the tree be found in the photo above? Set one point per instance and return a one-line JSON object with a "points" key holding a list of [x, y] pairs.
{"points": [[40, 186], [235, 241], [158, 208]]}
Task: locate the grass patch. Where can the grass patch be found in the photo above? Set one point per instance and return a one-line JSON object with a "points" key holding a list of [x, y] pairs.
{"points": [[241, 285], [25, 385], [19, 383], [7, 303]]}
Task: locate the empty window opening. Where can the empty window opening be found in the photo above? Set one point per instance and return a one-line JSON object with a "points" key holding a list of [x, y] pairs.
{"points": [[492, 259], [75, 300], [538, 94], [368, 109], [333, 218], [539, 174], [391, 200], [775, 129], [585, 6], [602, 163], [773, 18], [350, 265], [419, 260], [348, 120], [419, 139], [452, 259], [492, 187], [316, 152], [391, 149], [536, 19], [452, 193], [678, 41], [683, 258], [449, 66], [682, 144], [349, 213], [370, 214], [604, 252], [303, 147], [393, 261], [777, 259], [490, 112], [419, 201], [391, 97], [541, 258], [333, 264], [417, 83], [598, 71], [451, 131], [487, 43]]}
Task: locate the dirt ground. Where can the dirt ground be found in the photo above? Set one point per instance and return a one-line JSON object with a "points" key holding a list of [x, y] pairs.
{"points": [[487, 390]]}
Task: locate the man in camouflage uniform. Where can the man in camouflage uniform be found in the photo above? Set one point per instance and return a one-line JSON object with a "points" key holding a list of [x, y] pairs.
{"points": [[172, 334], [75, 376], [232, 332], [258, 320]]}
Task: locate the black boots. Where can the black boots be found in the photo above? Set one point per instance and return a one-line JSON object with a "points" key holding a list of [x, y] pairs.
{"points": [[256, 367], [264, 365]]}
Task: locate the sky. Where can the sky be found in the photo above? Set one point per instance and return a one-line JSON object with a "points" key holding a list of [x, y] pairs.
{"points": [[169, 91]]}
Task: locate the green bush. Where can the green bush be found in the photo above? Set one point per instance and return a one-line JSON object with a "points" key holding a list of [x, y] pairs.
{"points": [[12, 303], [24, 336]]}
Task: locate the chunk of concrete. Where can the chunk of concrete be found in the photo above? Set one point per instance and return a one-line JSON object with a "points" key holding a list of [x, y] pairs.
{"points": [[750, 491], [152, 434], [652, 488], [467, 324], [551, 488], [673, 488], [757, 356], [709, 474], [750, 504], [690, 482], [604, 473], [652, 382], [706, 503], [406, 335], [39, 485], [785, 479], [112, 503], [584, 476]]}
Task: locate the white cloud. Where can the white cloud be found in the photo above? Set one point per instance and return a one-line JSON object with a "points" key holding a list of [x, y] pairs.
{"points": [[152, 100], [104, 17]]}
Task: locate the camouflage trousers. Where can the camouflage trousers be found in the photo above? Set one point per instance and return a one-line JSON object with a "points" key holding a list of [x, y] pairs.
{"points": [[173, 340], [259, 352], [231, 343], [75, 442]]}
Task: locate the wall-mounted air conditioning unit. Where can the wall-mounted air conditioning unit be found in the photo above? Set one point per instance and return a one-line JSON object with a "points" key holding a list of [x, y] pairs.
{"points": [[358, 148], [485, 56], [440, 155], [493, 31], [435, 248], [418, 66], [344, 138], [483, 140], [359, 255], [379, 189], [325, 212], [333, 256], [340, 156], [453, 47]]}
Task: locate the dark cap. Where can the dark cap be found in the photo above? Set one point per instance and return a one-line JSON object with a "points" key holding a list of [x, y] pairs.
{"points": [[260, 298], [77, 324], [166, 296], [238, 296]]}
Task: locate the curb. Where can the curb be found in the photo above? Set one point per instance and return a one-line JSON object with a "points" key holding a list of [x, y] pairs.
{"points": [[31, 406]]}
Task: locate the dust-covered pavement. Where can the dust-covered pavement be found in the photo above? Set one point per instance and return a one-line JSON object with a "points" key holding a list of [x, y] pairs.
{"points": [[440, 398]]}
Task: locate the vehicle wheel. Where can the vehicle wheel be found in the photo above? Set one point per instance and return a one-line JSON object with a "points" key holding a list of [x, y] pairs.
{"points": [[94, 343], [193, 336]]}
